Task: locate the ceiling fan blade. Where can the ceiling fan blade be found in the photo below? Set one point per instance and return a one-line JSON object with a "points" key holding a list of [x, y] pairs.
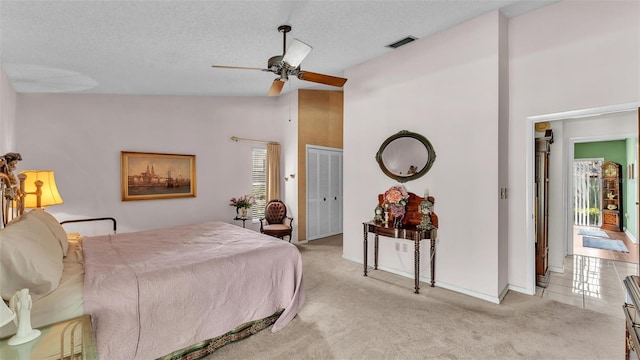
{"points": [[236, 67], [321, 78], [296, 52], [276, 87]]}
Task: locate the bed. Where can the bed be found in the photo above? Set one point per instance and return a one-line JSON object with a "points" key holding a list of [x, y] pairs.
{"points": [[179, 292]]}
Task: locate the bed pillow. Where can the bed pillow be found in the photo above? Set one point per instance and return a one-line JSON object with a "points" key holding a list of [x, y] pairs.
{"points": [[30, 257], [54, 226]]}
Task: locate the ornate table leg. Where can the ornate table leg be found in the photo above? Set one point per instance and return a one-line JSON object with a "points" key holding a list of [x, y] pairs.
{"points": [[364, 260], [433, 257], [375, 252], [416, 263]]}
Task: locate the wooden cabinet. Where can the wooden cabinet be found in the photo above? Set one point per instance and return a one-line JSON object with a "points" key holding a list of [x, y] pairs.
{"points": [[631, 310], [541, 212], [611, 196]]}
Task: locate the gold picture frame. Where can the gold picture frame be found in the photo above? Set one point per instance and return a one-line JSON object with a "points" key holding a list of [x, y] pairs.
{"points": [[150, 176]]}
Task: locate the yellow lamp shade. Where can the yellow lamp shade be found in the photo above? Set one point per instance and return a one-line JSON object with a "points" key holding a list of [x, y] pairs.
{"points": [[49, 196]]}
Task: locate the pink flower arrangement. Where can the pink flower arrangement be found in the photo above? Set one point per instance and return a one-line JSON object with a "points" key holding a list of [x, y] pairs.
{"points": [[244, 201], [396, 198], [396, 195], [397, 210]]}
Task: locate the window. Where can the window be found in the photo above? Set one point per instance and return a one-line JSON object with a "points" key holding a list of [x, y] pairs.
{"points": [[259, 181], [587, 196]]}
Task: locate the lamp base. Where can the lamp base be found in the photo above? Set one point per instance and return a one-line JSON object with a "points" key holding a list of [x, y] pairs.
{"points": [[17, 340]]}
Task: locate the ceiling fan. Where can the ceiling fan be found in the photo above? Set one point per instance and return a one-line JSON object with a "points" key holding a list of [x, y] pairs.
{"points": [[288, 64]]}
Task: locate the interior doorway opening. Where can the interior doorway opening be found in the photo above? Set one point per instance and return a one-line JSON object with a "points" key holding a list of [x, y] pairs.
{"points": [[561, 239]]}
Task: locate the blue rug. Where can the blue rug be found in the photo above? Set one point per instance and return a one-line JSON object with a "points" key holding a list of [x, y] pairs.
{"points": [[604, 244], [593, 232]]}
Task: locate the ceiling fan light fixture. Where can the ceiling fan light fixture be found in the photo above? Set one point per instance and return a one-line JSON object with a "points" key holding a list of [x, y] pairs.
{"points": [[296, 53]]}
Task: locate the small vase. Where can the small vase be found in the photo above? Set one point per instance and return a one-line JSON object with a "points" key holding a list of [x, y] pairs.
{"points": [[244, 213], [397, 221]]}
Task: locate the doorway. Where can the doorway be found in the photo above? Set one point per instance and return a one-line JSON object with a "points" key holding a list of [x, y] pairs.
{"points": [[581, 276], [324, 192], [561, 227], [598, 231]]}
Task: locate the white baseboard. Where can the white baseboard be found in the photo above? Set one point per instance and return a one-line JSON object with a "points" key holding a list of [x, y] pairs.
{"points": [[521, 290], [631, 236], [557, 269], [427, 280]]}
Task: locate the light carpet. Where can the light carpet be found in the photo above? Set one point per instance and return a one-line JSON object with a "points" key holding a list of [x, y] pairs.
{"points": [[348, 316], [593, 232], [604, 244]]}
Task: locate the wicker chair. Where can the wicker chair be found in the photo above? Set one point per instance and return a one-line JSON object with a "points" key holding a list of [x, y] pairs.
{"points": [[276, 222]]}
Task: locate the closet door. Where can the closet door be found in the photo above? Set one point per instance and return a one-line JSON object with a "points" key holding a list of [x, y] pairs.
{"points": [[324, 188], [324, 192], [312, 194], [335, 193]]}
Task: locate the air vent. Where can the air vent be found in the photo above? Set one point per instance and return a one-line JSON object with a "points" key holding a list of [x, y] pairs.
{"points": [[402, 42]]}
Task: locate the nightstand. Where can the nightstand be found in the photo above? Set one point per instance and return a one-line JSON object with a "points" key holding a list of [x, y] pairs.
{"points": [[56, 342], [241, 218]]}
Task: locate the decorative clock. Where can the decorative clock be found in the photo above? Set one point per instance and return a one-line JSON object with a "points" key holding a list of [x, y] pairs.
{"points": [[611, 196], [611, 170]]}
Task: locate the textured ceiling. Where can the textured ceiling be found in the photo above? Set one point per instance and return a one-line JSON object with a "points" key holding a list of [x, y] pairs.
{"points": [[168, 47]]}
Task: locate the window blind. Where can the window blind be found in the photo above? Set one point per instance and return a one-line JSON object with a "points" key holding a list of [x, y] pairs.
{"points": [[259, 181]]}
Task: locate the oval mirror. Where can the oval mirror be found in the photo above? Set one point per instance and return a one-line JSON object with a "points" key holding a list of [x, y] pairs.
{"points": [[406, 156]]}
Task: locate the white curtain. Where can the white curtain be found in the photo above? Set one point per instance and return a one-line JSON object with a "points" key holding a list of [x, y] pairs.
{"points": [[587, 197]]}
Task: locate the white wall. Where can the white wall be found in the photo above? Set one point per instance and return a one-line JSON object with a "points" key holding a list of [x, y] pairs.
{"points": [[288, 115], [7, 114], [80, 137], [567, 56], [446, 88]]}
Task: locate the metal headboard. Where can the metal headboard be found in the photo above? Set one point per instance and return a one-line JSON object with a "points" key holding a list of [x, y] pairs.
{"points": [[11, 188]]}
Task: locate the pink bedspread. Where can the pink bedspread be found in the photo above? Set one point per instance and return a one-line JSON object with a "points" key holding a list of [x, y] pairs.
{"points": [[154, 292]]}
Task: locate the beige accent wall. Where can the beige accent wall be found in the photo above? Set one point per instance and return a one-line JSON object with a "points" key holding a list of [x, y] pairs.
{"points": [[320, 116]]}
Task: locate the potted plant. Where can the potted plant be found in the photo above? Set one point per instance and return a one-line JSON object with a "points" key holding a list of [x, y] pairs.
{"points": [[242, 205]]}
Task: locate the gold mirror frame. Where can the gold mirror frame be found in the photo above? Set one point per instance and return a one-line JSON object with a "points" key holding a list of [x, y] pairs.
{"points": [[431, 154]]}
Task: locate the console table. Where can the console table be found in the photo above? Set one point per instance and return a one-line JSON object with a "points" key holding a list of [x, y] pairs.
{"points": [[408, 232], [632, 332]]}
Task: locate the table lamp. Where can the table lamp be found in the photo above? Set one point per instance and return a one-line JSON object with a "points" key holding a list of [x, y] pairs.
{"points": [[43, 183]]}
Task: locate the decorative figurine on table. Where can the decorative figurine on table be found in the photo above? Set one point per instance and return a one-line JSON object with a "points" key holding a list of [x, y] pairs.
{"points": [[426, 207], [378, 212], [20, 304]]}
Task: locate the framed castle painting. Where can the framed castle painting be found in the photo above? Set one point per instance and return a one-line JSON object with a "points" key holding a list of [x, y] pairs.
{"points": [[149, 176]]}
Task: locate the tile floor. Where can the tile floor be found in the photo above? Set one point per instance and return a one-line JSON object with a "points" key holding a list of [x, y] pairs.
{"points": [[591, 283]]}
